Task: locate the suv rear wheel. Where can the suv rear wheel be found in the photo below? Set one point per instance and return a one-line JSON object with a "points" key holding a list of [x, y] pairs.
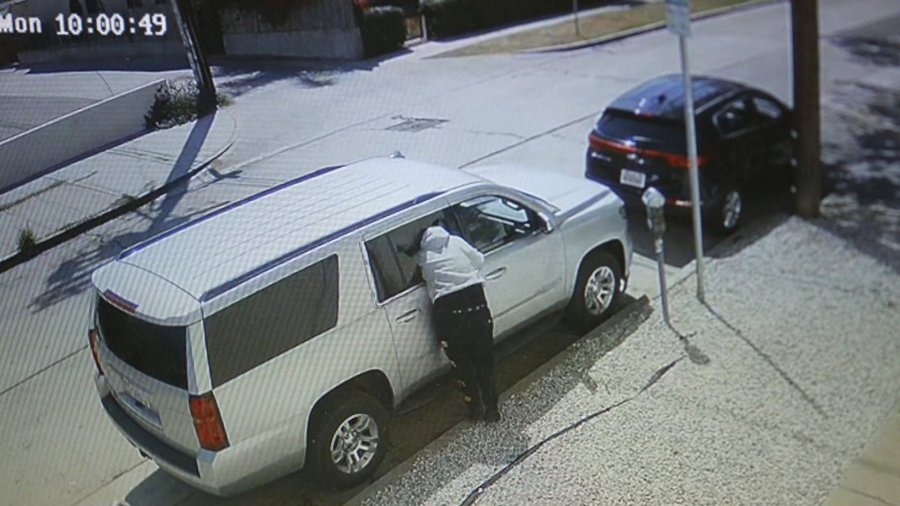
{"points": [[596, 290], [348, 439]]}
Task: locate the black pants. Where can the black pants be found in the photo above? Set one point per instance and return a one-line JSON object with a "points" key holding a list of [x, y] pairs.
{"points": [[463, 320]]}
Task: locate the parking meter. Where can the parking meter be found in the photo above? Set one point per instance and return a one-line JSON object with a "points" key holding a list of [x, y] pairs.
{"points": [[655, 203]]}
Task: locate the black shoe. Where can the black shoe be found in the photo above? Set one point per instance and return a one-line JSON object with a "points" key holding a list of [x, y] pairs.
{"points": [[492, 415], [476, 412]]}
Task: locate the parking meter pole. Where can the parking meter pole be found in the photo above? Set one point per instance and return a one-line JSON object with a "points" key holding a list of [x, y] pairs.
{"points": [[661, 267], [692, 159], [655, 204]]}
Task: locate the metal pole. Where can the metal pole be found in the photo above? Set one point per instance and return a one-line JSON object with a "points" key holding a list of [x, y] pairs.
{"points": [[805, 41], [692, 157], [661, 267], [575, 15], [195, 56]]}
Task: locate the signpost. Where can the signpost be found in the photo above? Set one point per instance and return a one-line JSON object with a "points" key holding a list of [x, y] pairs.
{"points": [[575, 17], [678, 15]]}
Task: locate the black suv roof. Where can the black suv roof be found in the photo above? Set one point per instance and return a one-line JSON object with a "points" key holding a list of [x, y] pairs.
{"points": [[664, 96]]}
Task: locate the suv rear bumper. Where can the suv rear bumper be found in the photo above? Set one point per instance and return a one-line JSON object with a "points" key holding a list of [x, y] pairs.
{"points": [[223, 473]]}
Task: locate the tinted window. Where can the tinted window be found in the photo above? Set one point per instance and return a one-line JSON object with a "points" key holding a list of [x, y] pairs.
{"points": [[734, 117], [155, 350], [272, 321], [661, 133], [767, 109], [393, 255], [490, 222]]}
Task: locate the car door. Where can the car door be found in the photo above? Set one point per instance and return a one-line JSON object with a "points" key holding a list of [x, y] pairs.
{"points": [[743, 149], [403, 299], [523, 267], [774, 123]]}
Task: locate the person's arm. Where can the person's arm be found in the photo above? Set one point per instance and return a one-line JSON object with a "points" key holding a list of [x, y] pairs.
{"points": [[475, 256]]}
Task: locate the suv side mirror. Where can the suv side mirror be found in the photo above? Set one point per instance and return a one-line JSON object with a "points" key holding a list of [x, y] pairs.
{"points": [[546, 224]]}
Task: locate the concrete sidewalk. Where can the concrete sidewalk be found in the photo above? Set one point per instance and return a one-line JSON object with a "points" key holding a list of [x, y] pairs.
{"points": [[54, 203], [768, 397]]}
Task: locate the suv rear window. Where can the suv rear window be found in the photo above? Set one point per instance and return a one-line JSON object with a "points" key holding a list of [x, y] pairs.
{"points": [[653, 132], [155, 350]]}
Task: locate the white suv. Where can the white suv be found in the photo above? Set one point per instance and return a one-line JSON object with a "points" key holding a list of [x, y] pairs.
{"points": [[278, 332]]}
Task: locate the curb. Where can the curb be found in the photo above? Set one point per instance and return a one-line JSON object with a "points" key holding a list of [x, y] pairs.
{"points": [[112, 213], [619, 325], [613, 37]]}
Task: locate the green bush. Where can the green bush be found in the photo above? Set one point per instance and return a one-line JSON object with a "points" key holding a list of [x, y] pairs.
{"points": [[446, 18], [176, 103], [383, 30], [27, 240]]}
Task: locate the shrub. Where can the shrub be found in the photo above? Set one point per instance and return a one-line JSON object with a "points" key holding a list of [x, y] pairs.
{"points": [[176, 103], [452, 17], [383, 30], [446, 18], [27, 240]]}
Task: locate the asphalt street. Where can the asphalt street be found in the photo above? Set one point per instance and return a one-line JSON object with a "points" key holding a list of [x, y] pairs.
{"points": [[535, 109]]}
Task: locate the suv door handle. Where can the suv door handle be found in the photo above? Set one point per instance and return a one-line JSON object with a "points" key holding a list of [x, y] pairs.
{"points": [[496, 273], [407, 316]]}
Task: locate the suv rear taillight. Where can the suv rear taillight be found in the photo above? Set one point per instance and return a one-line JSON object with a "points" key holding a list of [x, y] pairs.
{"points": [[208, 422], [672, 159], [92, 339]]}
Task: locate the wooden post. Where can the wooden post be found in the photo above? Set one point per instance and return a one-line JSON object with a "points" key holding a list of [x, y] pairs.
{"points": [[805, 39]]}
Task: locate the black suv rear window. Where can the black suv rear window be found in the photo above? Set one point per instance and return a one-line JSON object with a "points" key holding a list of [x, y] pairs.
{"points": [[655, 132], [155, 350]]}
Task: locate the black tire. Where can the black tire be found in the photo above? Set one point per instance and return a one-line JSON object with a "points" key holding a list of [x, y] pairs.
{"points": [[600, 265], [341, 414], [724, 217]]}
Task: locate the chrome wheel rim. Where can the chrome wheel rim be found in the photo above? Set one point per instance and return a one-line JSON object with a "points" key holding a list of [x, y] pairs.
{"points": [[354, 443], [599, 290], [731, 210]]}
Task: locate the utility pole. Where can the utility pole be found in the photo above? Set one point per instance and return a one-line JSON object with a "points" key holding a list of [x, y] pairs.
{"points": [[184, 16], [805, 39]]}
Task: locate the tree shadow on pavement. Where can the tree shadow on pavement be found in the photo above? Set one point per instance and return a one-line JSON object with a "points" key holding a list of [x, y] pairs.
{"points": [[863, 171], [238, 76], [147, 64], [73, 275]]}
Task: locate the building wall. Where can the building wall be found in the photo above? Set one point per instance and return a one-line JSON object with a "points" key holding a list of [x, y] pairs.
{"points": [[316, 29]]}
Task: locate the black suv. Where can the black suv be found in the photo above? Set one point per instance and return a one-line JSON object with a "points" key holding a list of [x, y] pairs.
{"points": [[742, 134]]}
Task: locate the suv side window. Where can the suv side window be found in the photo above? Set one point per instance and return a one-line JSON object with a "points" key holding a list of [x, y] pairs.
{"points": [[767, 110], [392, 255], [734, 117], [272, 321], [491, 221]]}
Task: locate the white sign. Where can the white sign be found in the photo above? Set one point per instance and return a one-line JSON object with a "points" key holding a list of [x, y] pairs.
{"points": [[678, 15]]}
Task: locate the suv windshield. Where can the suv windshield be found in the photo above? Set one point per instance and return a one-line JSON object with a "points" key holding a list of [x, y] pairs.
{"points": [[155, 350]]}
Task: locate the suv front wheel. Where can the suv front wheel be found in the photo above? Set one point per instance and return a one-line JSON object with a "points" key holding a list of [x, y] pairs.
{"points": [[348, 439], [596, 290]]}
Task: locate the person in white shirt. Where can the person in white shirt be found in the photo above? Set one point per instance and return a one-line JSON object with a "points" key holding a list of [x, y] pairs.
{"points": [[462, 318]]}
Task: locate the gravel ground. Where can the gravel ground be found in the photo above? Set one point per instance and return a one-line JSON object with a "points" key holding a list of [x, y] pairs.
{"points": [[803, 363]]}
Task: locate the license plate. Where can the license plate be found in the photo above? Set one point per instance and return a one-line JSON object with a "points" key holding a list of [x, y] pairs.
{"points": [[633, 178]]}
